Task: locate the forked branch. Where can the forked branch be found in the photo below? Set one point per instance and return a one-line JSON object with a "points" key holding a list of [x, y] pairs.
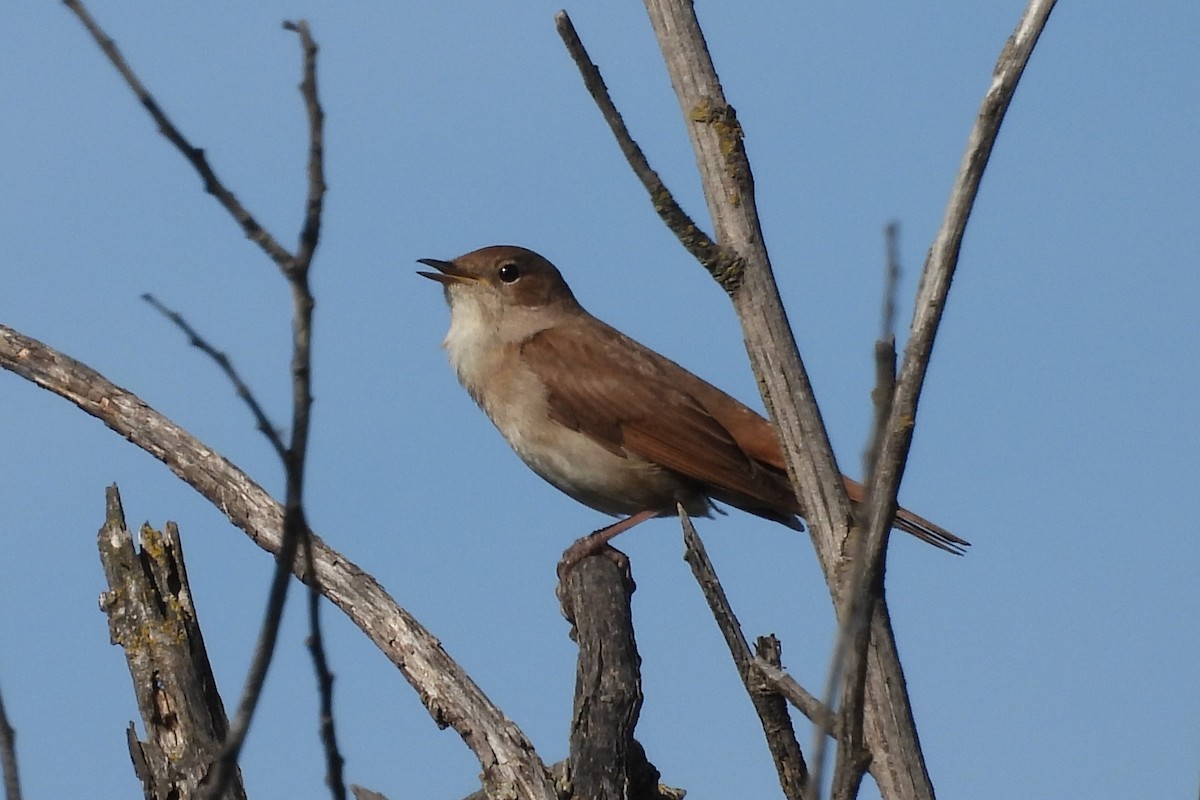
{"points": [[864, 592], [295, 268]]}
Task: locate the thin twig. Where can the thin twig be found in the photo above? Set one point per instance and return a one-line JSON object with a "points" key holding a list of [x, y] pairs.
{"points": [[805, 701], [854, 632], [891, 280], [334, 762], [222, 360], [853, 638], [849, 729], [885, 347], [725, 266], [226, 765], [302, 388], [881, 399], [8, 756], [769, 704], [311, 231], [295, 527], [295, 268], [195, 155], [942, 261]]}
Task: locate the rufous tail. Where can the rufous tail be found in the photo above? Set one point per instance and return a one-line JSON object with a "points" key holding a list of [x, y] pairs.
{"points": [[915, 524]]}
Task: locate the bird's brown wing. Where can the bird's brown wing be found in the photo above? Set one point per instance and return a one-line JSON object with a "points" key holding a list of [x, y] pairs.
{"points": [[633, 401]]}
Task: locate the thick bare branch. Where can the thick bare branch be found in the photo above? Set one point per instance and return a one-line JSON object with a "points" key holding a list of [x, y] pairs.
{"points": [[510, 765], [729, 188], [608, 683], [728, 185], [151, 615]]}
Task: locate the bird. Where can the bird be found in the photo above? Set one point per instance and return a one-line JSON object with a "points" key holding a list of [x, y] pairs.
{"points": [[606, 420]]}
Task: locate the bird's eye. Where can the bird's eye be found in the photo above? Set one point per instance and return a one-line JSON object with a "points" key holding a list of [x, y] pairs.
{"points": [[509, 273]]}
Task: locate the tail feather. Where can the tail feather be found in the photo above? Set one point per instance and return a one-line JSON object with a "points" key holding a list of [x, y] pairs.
{"points": [[915, 524], [929, 532]]}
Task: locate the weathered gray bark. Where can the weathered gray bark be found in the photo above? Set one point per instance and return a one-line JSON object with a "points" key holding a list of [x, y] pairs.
{"points": [[151, 616], [898, 765], [605, 762], [510, 766]]}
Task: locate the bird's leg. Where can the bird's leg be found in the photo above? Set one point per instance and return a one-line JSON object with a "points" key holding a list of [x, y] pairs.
{"points": [[597, 541]]}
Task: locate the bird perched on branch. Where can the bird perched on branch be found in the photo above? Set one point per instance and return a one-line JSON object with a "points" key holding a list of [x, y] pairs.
{"points": [[607, 420]]}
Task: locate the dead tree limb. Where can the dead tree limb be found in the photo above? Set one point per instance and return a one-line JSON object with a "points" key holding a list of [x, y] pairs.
{"points": [[608, 682], [510, 766], [151, 616], [716, 135]]}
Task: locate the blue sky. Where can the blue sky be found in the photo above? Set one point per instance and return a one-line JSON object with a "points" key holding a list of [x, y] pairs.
{"points": [[1057, 430]]}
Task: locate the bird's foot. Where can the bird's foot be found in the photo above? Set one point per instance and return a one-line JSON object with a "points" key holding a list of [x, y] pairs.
{"points": [[587, 546]]}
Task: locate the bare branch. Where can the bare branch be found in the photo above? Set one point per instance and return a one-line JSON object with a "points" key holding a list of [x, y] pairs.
{"points": [[602, 765], [891, 279], [723, 265], [311, 231], [850, 653], [8, 756], [729, 188], [942, 261], [866, 588], [195, 156], [510, 765], [362, 793], [152, 617], [334, 776], [885, 348], [893, 435], [243, 391], [853, 638], [804, 701], [728, 185], [295, 269], [303, 304], [770, 706]]}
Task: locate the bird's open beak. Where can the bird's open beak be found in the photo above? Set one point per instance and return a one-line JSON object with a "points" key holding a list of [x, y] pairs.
{"points": [[448, 273]]}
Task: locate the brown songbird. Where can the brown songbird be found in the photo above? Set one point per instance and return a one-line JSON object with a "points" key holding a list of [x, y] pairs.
{"points": [[608, 421]]}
